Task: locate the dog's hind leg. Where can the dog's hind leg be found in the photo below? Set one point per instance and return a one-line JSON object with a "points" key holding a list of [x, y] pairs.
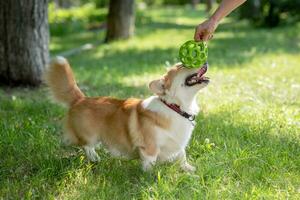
{"points": [[148, 157]]}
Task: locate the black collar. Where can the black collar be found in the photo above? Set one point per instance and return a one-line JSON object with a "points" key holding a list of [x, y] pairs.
{"points": [[177, 109]]}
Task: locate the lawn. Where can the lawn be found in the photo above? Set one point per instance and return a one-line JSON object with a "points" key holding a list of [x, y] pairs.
{"points": [[246, 144]]}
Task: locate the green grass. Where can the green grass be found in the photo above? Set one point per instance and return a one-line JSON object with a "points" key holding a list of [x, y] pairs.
{"points": [[246, 144]]}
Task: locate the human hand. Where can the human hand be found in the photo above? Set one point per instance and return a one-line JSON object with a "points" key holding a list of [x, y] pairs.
{"points": [[205, 30]]}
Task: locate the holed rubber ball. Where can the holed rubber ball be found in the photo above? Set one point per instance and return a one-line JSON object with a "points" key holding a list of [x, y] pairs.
{"points": [[193, 54]]}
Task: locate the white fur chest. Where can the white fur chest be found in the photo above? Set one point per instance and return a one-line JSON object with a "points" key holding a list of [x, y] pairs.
{"points": [[174, 140]]}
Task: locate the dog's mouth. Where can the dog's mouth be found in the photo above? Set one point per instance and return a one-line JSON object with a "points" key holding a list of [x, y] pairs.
{"points": [[197, 78]]}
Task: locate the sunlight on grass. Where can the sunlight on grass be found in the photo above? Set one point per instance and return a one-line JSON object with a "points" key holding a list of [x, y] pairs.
{"points": [[246, 144]]}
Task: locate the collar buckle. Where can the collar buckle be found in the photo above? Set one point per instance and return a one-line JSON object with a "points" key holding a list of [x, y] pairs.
{"points": [[177, 109], [192, 118]]}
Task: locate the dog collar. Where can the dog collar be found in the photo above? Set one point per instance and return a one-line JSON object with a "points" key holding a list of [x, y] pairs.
{"points": [[177, 109]]}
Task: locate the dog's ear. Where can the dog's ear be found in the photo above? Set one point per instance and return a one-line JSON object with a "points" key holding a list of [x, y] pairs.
{"points": [[157, 86]]}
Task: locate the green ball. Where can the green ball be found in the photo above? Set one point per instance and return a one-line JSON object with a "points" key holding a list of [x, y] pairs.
{"points": [[193, 54]]}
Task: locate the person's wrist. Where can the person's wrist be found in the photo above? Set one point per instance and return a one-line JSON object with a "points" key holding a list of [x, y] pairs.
{"points": [[216, 17], [214, 20]]}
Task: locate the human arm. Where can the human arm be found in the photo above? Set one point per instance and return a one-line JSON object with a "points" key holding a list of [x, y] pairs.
{"points": [[205, 30]]}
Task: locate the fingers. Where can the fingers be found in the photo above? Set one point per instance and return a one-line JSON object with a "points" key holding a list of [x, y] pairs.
{"points": [[202, 34], [197, 35], [205, 30], [206, 37]]}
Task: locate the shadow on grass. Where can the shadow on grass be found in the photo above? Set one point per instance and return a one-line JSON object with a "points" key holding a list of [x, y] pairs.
{"points": [[245, 43], [244, 152], [261, 153], [34, 163], [172, 11], [114, 89], [130, 61], [229, 52], [167, 25], [74, 40], [235, 43]]}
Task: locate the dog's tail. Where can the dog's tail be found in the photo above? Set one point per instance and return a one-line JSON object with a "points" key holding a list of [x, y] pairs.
{"points": [[60, 79]]}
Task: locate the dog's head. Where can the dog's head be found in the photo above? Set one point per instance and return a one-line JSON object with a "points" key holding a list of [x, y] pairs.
{"points": [[180, 83]]}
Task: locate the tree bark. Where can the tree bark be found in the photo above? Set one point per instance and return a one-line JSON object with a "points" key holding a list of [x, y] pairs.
{"points": [[120, 22], [195, 3], [24, 36], [209, 4], [251, 10], [63, 3]]}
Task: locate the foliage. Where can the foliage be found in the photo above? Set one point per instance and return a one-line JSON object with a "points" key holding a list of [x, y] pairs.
{"points": [[101, 3], [63, 21], [246, 144], [177, 2], [270, 12], [165, 2]]}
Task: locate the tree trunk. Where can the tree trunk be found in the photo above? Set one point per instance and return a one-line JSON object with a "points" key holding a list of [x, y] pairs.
{"points": [[63, 3], [120, 23], [272, 19], [251, 10], [24, 35], [209, 4], [195, 3]]}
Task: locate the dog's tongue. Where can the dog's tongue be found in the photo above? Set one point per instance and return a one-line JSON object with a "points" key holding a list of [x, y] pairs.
{"points": [[202, 70]]}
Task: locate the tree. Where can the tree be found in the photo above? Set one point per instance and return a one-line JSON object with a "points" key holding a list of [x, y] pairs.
{"points": [[270, 13], [24, 35], [195, 3], [120, 22], [209, 4]]}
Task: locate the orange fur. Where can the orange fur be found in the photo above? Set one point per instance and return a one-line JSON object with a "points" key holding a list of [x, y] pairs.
{"points": [[59, 77], [170, 75], [121, 125]]}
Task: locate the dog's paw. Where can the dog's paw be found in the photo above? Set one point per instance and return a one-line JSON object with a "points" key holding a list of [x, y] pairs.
{"points": [[188, 168], [94, 158], [91, 154], [147, 166]]}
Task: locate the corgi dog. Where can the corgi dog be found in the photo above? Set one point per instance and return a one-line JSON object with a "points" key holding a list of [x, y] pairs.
{"points": [[155, 129]]}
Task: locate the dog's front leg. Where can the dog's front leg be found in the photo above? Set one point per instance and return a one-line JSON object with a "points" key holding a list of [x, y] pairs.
{"points": [[91, 153], [148, 157], [185, 166]]}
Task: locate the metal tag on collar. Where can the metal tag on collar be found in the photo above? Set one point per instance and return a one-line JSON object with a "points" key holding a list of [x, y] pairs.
{"points": [[191, 118]]}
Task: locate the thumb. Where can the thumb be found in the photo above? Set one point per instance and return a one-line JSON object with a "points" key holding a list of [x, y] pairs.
{"points": [[206, 36]]}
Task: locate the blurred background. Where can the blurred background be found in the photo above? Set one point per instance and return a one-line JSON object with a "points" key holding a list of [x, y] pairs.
{"points": [[106, 21], [28, 26]]}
